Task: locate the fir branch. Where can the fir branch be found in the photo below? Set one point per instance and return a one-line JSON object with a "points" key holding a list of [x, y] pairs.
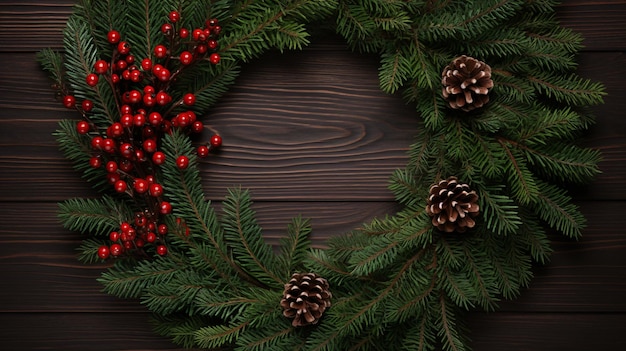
{"points": [[219, 335], [449, 333], [555, 207], [571, 89], [52, 63], [187, 197], [519, 177], [76, 148], [97, 217], [295, 247], [500, 212], [244, 237], [130, 280], [78, 64], [180, 329]]}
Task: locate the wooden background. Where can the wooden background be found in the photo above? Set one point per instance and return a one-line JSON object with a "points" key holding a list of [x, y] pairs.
{"points": [[309, 133]]}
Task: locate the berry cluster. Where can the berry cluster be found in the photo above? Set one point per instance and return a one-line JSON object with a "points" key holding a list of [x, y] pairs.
{"points": [[128, 148]]}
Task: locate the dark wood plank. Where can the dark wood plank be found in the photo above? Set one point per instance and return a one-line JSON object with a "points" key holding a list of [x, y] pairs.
{"points": [[600, 22], [80, 331], [38, 256], [31, 25], [550, 331], [335, 137], [307, 133], [132, 332]]}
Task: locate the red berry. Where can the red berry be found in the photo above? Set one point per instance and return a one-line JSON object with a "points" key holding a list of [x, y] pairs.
{"points": [[186, 58], [146, 64], [125, 165], [114, 36], [164, 75], [203, 151], [104, 252], [111, 167], [217, 30], [212, 44], [69, 101], [150, 237], [133, 96], [165, 207], [123, 48], [182, 162], [150, 178], [211, 23], [202, 49], [183, 33], [116, 129], [163, 98], [108, 145], [115, 78], [155, 119], [96, 142], [149, 100], [120, 186], [189, 99], [82, 127], [149, 145], [139, 120], [156, 190], [126, 120], [160, 51], [141, 185], [157, 68], [130, 59], [121, 65], [162, 229], [148, 89], [158, 158], [126, 74], [147, 132], [116, 250], [216, 141], [127, 150], [214, 58], [161, 250], [136, 76], [95, 162], [140, 220], [166, 127], [182, 119], [197, 126], [112, 178], [174, 16], [125, 226], [114, 236], [167, 29], [140, 156], [101, 67], [196, 33], [87, 105]]}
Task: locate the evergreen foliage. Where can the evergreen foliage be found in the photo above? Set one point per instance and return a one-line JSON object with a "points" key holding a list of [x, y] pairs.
{"points": [[398, 283]]}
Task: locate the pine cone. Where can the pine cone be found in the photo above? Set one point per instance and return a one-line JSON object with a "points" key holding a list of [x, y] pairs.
{"points": [[466, 83], [305, 298], [452, 206]]}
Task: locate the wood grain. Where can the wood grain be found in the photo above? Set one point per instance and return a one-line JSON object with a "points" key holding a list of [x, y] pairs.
{"points": [[298, 130], [309, 133]]}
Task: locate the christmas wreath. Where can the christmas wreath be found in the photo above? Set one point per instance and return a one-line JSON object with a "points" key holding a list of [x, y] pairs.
{"points": [[500, 109]]}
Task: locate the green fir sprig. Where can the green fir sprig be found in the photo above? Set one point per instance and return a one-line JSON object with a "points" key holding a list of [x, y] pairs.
{"points": [[398, 282]]}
